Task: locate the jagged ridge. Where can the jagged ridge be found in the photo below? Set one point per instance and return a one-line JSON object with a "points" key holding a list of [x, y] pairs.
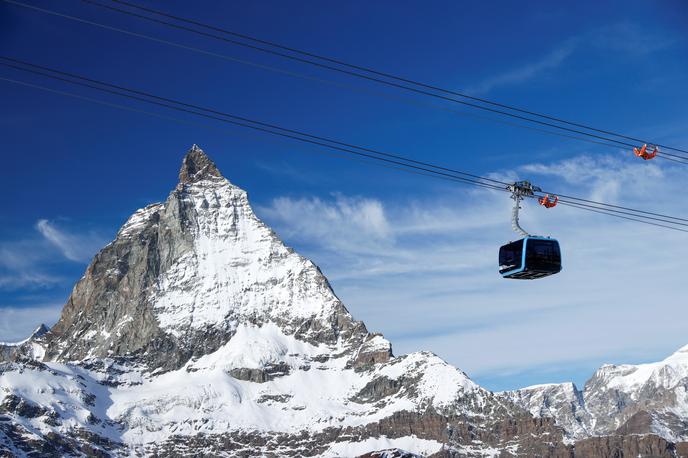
{"points": [[618, 399]]}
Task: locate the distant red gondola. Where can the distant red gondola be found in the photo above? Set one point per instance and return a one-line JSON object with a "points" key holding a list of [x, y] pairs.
{"points": [[642, 152]]}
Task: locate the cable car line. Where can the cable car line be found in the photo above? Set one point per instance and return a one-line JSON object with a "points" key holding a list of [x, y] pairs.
{"points": [[597, 210], [663, 155], [196, 124], [435, 173], [267, 130], [404, 99], [406, 80], [316, 137], [72, 75], [291, 131], [562, 201], [258, 123], [389, 83], [363, 68], [429, 173], [615, 206]]}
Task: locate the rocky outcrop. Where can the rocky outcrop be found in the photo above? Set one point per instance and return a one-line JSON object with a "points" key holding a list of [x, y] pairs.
{"points": [[391, 453], [618, 400], [30, 348], [15, 405], [625, 446], [375, 349]]}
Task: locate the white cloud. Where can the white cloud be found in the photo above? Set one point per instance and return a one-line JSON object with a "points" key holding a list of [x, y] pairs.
{"points": [[350, 224], [428, 278], [17, 323], [30, 263], [75, 247]]}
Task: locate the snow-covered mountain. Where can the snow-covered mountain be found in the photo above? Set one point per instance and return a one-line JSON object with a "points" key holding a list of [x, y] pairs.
{"points": [[621, 400], [197, 332]]}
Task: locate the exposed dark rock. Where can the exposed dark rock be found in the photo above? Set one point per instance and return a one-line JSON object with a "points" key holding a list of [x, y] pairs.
{"points": [[282, 398], [372, 351], [630, 446], [378, 389], [20, 406], [391, 453], [197, 166], [262, 375], [640, 423]]}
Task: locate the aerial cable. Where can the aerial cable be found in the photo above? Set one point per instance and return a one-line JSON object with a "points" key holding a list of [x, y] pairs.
{"points": [[527, 189], [222, 56], [604, 212], [242, 119], [405, 80], [210, 126], [431, 174], [366, 77], [363, 68], [348, 145], [595, 203], [301, 133], [286, 133], [404, 99], [435, 173], [633, 213]]}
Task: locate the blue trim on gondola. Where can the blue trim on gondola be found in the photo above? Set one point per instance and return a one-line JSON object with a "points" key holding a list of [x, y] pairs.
{"points": [[523, 256]]}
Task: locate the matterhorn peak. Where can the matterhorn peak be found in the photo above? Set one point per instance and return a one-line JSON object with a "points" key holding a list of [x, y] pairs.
{"points": [[187, 273], [197, 166]]}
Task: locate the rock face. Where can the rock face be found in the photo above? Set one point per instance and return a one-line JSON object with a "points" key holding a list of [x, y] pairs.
{"points": [[33, 347], [647, 399], [180, 276], [197, 332]]}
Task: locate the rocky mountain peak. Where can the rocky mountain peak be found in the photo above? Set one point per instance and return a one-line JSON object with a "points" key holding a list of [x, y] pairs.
{"points": [[187, 274], [618, 399], [39, 331], [197, 166]]}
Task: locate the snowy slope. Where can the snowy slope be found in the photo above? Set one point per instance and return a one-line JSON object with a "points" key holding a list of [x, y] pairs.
{"points": [[236, 268]]}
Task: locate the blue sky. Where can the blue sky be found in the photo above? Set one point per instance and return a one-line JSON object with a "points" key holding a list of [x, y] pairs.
{"points": [[411, 256]]}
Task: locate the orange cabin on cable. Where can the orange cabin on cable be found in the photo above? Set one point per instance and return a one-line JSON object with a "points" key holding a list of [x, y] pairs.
{"points": [[642, 152], [548, 201]]}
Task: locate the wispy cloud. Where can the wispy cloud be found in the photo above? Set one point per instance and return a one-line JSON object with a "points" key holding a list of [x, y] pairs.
{"points": [[525, 72], [427, 276], [78, 247], [620, 38], [349, 224], [624, 37], [29, 263]]}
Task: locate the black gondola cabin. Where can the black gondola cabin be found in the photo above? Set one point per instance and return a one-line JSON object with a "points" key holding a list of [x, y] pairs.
{"points": [[530, 258]]}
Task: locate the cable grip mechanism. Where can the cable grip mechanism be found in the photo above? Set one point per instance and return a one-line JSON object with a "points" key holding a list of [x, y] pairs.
{"points": [[519, 190]]}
